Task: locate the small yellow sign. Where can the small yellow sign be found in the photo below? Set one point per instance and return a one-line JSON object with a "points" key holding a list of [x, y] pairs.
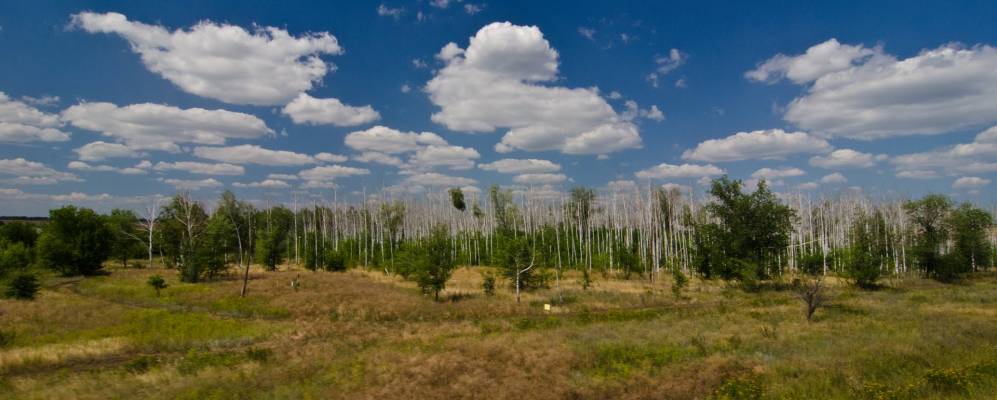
{"points": [[546, 307]]}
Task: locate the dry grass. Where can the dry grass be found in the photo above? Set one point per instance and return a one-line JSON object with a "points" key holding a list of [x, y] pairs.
{"points": [[362, 334]]}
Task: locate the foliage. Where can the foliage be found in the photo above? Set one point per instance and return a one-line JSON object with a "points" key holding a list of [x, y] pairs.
{"points": [[457, 199], [157, 283], [488, 285], [13, 256], [679, 281], [866, 255], [928, 215], [751, 232], [516, 258], [123, 225], [181, 234], [429, 262], [19, 232], [76, 241], [23, 287], [970, 227], [271, 240]]}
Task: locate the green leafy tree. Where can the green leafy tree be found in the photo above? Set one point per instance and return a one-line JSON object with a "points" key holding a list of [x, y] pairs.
{"points": [[274, 226], [125, 243], [971, 228], [457, 199], [13, 257], [866, 254], [751, 232], [76, 241], [19, 232], [436, 262], [929, 216], [181, 237], [23, 287], [157, 283]]}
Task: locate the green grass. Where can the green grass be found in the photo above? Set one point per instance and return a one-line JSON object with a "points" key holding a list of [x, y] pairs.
{"points": [[364, 335]]}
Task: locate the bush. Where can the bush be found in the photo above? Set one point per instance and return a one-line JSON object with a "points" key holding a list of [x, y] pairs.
{"points": [[679, 281], [157, 282], [862, 268], [23, 287], [76, 241], [488, 286], [14, 256], [334, 261]]}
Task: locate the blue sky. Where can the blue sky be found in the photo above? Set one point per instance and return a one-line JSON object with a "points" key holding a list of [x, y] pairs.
{"points": [[106, 103]]}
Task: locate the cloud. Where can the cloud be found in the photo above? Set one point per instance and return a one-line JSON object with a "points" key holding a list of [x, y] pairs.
{"points": [[266, 184], [503, 81], [521, 166], [382, 139], [26, 172], [378, 158], [181, 184], [864, 93], [22, 123], [331, 172], [819, 60], [770, 173], [97, 151], [669, 63], [535, 179], [306, 109], [437, 179], [588, 33], [253, 154], [844, 158], [472, 9], [453, 157], [201, 168], [150, 126], [386, 11], [836, 177], [762, 144], [970, 182], [621, 186], [283, 177], [633, 111], [669, 171], [976, 157], [439, 3], [224, 62], [332, 158], [82, 166]]}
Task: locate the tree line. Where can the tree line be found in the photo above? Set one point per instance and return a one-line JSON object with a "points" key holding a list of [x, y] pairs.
{"points": [[733, 234]]}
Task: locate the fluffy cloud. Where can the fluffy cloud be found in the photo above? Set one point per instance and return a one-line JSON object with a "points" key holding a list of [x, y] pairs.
{"points": [[437, 179], [181, 184], [763, 144], [970, 182], [21, 123], [382, 139], [160, 127], [268, 66], [633, 111], [82, 166], [976, 157], [844, 158], [378, 158], [521, 166], [306, 109], [770, 173], [822, 59], [535, 179], [253, 154], [621, 186], [201, 168], [332, 158], [266, 184], [328, 173], [454, 157], [836, 177], [864, 93], [669, 171], [97, 151], [501, 82], [666, 64], [26, 172]]}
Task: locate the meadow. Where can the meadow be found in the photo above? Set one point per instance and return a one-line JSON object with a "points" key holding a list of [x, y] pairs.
{"points": [[364, 334]]}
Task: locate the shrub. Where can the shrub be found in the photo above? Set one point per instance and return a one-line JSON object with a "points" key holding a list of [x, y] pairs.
{"points": [[157, 282], [334, 260], [76, 241], [679, 281], [23, 287], [811, 291], [14, 256], [488, 285]]}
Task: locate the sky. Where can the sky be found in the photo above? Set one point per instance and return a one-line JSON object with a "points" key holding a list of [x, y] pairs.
{"points": [[109, 104]]}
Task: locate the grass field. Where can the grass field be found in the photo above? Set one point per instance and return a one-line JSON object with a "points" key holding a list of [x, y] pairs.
{"points": [[361, 334]]}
